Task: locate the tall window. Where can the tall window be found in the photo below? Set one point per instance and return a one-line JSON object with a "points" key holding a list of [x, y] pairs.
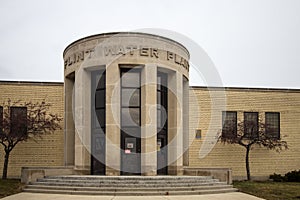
{"points": [[130, 121], [162, 123], [130, 98], [1, 119], [229, 119], [251, 124], [162, 101], [98, 140], [18, 120], [272, 122], [100, 101]]}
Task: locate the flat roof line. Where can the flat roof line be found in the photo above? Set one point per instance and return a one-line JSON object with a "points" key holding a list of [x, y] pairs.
{"points": [[191, 87], [245, 88], [32, 82]]}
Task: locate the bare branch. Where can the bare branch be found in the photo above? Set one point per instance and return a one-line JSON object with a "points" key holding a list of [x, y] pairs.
{"points": [[250, 132], [23, 121]]}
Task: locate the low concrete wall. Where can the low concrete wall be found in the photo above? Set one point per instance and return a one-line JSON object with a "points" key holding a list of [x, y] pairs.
{"points": [[223, 174], [31, 174]]}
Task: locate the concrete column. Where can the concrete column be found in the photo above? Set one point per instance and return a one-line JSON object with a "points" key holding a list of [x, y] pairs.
{"points": [[175, 125], [82, 121], [69, 123], [149, 120], [185, 106], [112, 132]]}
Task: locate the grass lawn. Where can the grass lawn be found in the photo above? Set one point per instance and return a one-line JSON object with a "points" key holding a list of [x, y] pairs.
{"points": [[270, 190], [267, 190], [9, 187]]}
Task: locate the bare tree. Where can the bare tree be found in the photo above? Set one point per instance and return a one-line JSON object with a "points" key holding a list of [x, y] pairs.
{"points": [[23, 121], [248, 133]]}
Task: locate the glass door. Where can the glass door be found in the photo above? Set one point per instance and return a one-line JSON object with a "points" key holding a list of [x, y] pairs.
{"points": [[162, 124], [130, 122], [98, 141]]}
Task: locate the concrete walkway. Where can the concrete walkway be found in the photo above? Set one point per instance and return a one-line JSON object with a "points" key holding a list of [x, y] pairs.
{"points": [[226, 196]]}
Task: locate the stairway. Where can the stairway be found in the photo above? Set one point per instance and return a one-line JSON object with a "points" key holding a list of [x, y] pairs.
{"points": [[129, 185]]}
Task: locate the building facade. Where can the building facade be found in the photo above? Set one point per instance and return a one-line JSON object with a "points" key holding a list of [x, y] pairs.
{"points": [[284, 103], [129, 92], [128, 110], [45, 151]]}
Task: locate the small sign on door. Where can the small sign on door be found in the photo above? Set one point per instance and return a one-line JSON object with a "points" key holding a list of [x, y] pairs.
{"points": [[158, 144], [130, 145], [127, 151]]}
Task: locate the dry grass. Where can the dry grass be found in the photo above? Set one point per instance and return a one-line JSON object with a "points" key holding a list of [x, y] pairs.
{"points": [[10, 187], [270, 190]]}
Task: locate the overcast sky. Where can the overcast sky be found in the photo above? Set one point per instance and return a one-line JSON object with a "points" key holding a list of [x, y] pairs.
{"points": [[252, 43]]}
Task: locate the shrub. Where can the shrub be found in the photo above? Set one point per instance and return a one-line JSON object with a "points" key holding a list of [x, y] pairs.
{"points": [[277, 178], [293, 176]]}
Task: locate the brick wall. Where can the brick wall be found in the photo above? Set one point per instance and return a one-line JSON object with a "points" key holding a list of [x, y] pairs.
{"points": [[48, 151], [263, 162]]}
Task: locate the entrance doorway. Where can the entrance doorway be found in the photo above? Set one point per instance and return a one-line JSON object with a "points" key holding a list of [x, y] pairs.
{"points": [[162, 124], [130, 122], [98, 140]]}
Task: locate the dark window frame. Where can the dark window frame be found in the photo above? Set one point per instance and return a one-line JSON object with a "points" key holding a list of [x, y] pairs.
{"points": [[16, 123], [162, 91], [162, 129], [231, 132], [135, 132], [130, 70], [102, 89], [99, 120], [247, 123], [1, 119], [269, 129]]}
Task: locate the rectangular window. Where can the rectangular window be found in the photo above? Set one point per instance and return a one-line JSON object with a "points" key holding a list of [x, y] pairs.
{"points": [[130, 97], [98, 105], [18, 120], [99, 79], [1, 119], [272, 121], [251, 124], [229, 119], [130, 141]]}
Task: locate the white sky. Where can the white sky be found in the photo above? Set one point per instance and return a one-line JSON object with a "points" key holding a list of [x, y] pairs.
{"points": [[253, 43]]}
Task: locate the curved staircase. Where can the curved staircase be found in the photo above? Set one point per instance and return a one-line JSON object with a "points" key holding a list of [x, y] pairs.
{"points": [[129, 185]]}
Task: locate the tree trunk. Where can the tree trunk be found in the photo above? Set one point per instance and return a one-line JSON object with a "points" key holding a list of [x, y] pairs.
{"points": [[4, 175], [247, 163]]}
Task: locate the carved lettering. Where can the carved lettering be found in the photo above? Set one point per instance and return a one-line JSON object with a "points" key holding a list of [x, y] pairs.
{"points": [[72, 59], [177, 59], [66, 63], [80, 56], [154, 52], [122, 50], [144, 51], [182, 62], [131, 49], [109, 50], [114, 50], [170, 55], [90, 52]]}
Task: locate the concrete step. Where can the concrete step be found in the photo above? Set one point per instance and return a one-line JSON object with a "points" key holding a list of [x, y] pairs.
{"points": [[129, 178], [129, 185], [129, 182], [146, 188], [131, 193]]}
